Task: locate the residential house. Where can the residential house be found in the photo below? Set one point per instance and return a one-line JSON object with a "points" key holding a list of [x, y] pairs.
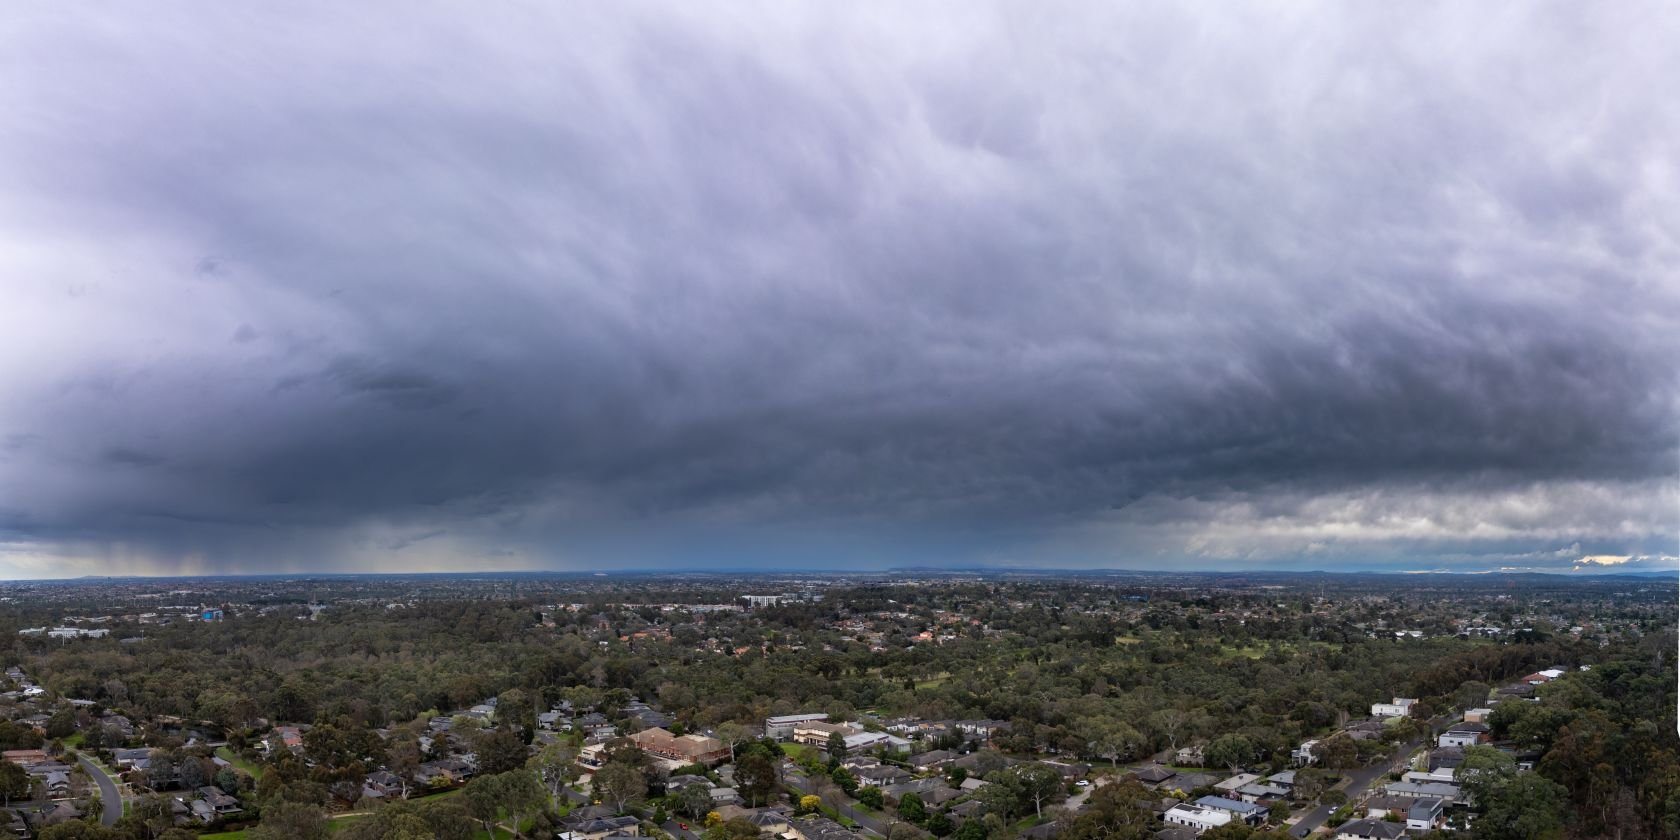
{"points": [[202, 810], [876, 740], [1401, 707], [983, 729], [1262, 793], [1231, 784], [1425, 814], [1424, 790], [1477, 715], [930, 761], [1381, 805], [221, 803], [1304, 754], [1197, 818], [602, 827], [284, 737], [771, 821], [1248, 812], [57, 784], [880, 775], [1464, 735], [819, 828], [1155, 777], [1370, 830]]}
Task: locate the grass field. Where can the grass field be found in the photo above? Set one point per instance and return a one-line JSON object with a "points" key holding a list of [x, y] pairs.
{"points": [[236, 760], [800, 751]]}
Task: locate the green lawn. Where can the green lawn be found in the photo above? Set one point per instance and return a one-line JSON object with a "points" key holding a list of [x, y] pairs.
{"points": [[800, 751], [236, 760]]}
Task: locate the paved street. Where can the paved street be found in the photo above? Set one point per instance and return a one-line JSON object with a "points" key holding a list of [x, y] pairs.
{"points": [[108, 793], [675, 829], [1361, 779]]}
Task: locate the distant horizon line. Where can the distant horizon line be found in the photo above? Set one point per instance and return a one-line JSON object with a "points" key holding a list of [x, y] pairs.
{"points": [[976, 571]]}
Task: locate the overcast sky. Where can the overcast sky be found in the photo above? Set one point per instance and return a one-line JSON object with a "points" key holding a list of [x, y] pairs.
{"points": [[411, 286]]}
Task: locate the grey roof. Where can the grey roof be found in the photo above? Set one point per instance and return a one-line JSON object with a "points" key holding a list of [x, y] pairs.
{"points": [[1373, 828], [1232, 805]]}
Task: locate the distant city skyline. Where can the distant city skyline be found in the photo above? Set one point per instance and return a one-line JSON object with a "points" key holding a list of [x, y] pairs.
{"points": [[567, 286]]}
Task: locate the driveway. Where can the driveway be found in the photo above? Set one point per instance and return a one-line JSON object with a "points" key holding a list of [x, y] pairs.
{"points": [[108, 793]]}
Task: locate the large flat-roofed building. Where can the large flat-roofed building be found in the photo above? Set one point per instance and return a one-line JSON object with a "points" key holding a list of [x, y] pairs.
{"points": [[781, 727], [685, 749], [816, 732]]}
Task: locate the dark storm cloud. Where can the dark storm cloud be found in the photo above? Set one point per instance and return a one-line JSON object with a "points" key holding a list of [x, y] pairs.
{"points": [[1124, 286]]}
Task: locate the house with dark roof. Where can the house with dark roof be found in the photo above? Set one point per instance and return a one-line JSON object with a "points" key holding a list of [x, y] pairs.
{"points": [[1370, 830]]}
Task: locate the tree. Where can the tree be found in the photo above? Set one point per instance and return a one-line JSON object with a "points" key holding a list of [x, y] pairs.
{"points": [[1278, 812], [695, 801], [1309, 784], [870, 796], [77, 830], [1038, 784], [1525, 805], [845, 780], [1339, 752], [1171, 722], [483, 798], [911, 808], [62, 724], [809, 803], [499, 751], [1114, 812], [1232, 751], [970, 830], [1471, 695], [836, 747], [619, 784], [731, 733], [522, 795], [402, 757], [14, 781], [757, 776], [938, 824], [555, 765], [290, 821]]}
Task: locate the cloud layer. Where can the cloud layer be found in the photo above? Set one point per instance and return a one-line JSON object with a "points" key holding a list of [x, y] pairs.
{"points": [[574, 287]]}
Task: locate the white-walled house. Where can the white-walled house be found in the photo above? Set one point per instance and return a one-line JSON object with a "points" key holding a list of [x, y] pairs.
{"points": [[1401, 707]]}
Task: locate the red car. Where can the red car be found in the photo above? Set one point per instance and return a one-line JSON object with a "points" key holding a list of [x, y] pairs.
{"points": [[683, 826]]}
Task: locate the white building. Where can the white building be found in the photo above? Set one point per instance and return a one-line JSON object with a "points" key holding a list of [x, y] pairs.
{"points": [[1304, 754], [1195, 817], [1401, 707]]}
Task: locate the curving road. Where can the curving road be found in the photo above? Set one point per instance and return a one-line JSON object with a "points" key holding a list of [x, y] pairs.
{"points": [[108, 793]]}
